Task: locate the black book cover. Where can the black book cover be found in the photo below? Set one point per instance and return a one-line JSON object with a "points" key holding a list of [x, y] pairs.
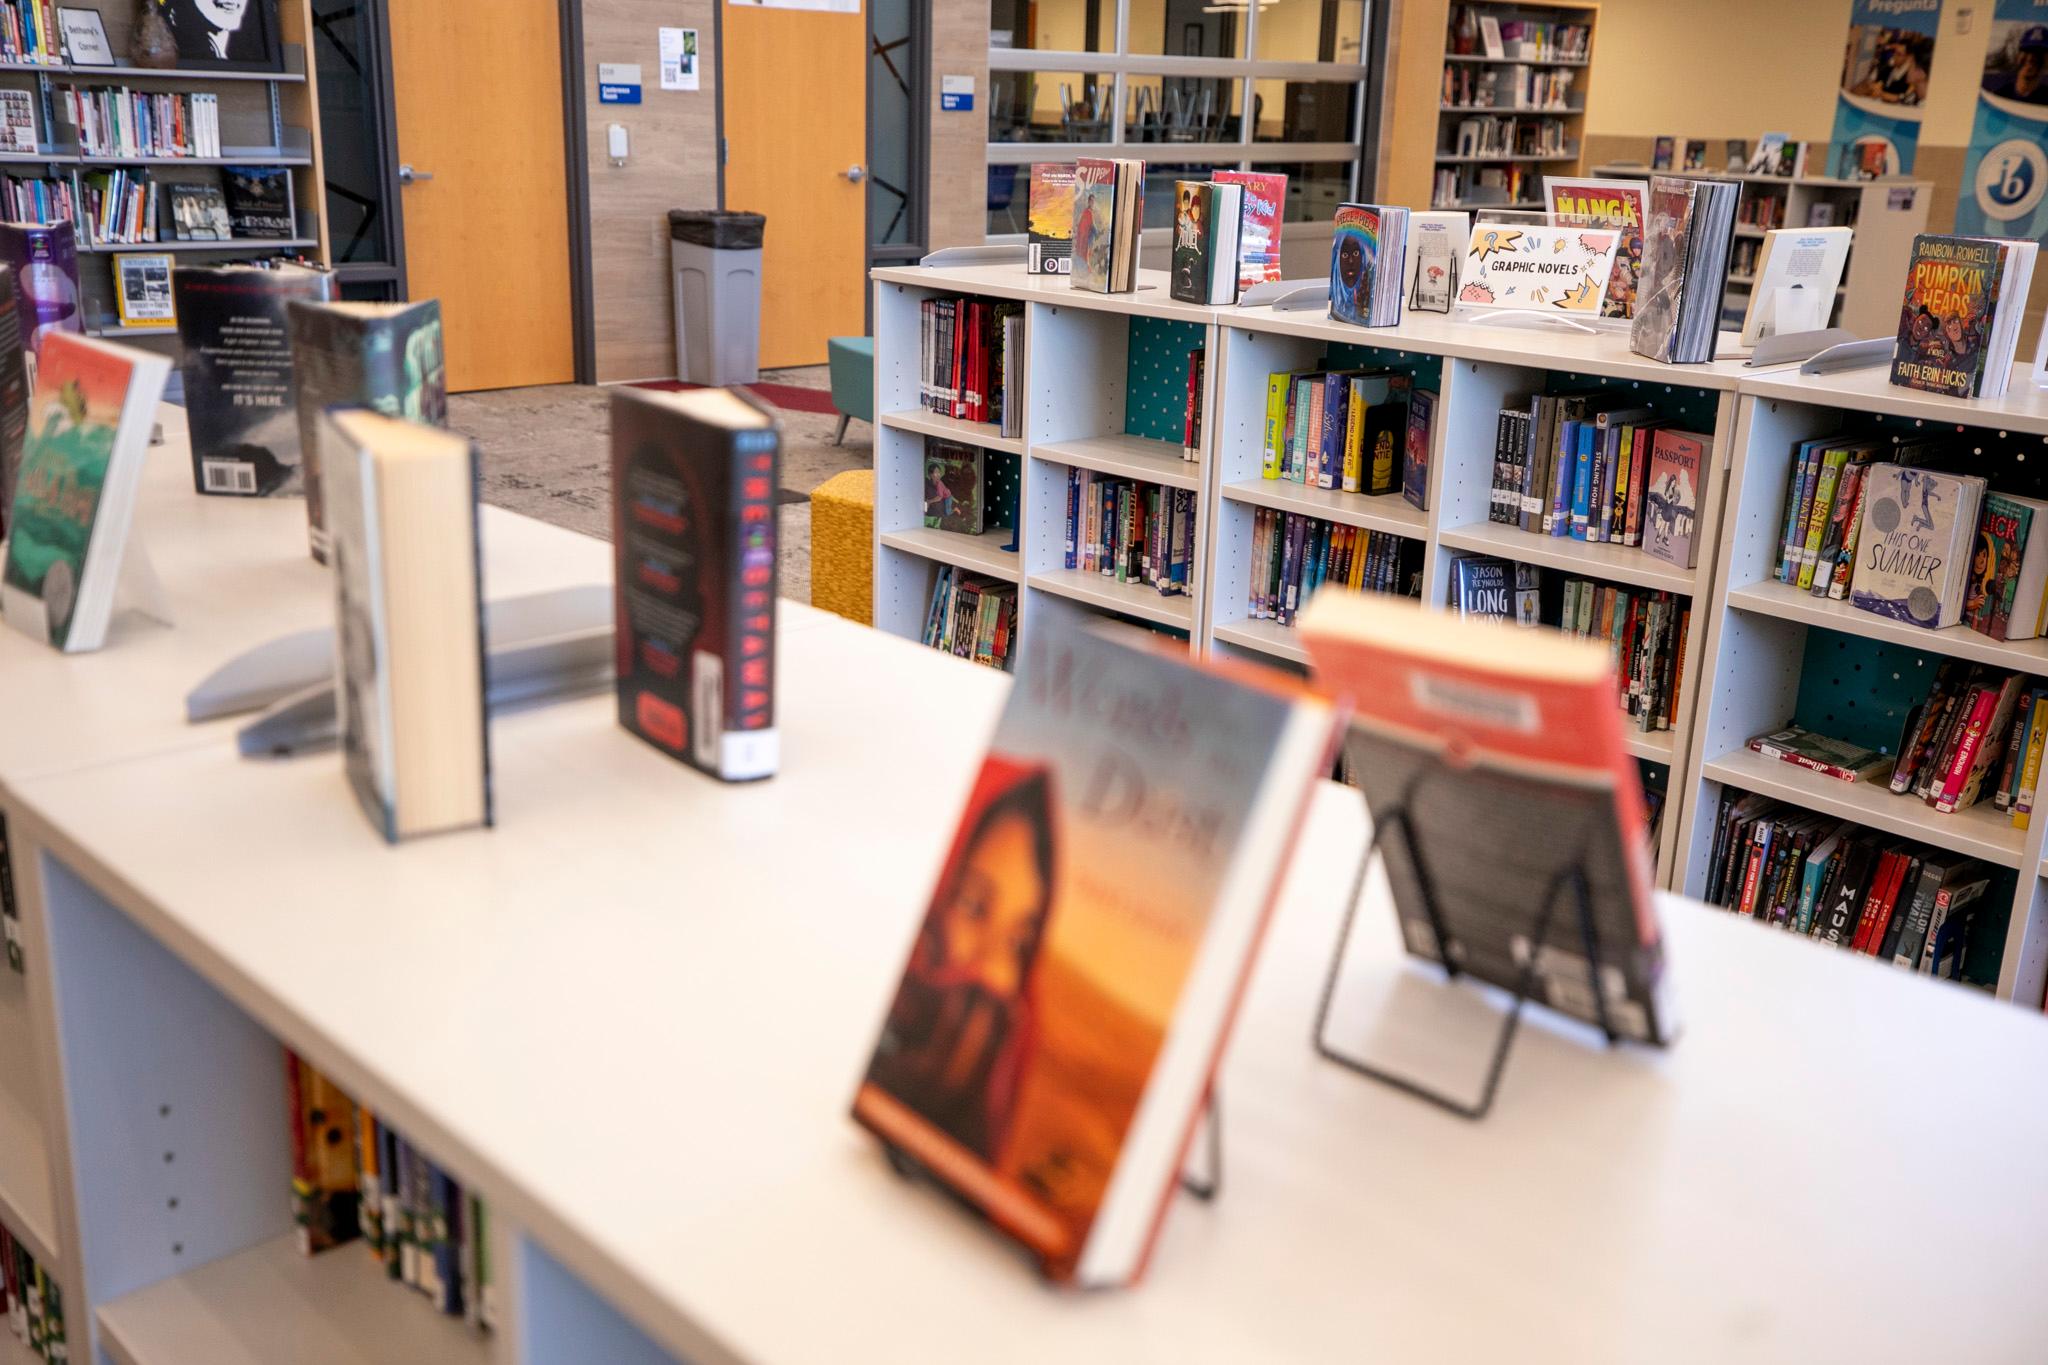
{"points": [[13, 390], [694, 533], [259, 200], [384, 356], [1837, 922], [1194, 223], [237, 366]]}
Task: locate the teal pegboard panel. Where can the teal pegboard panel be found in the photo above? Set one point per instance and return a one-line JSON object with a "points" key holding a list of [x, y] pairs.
{"points": [[1423, 371], [1004, 473], [1694, 409], [1860, 690], [1156, 378]]}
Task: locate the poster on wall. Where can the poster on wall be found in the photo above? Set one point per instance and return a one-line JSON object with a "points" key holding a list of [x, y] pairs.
{"points": [[1885, 67], [2007, 168]]}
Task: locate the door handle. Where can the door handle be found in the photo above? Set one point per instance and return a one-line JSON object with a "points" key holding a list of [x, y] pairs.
{"points": [[855, 173], [407, 175]]}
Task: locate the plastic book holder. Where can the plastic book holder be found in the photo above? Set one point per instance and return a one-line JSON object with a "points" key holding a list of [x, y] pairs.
{"points": [[1568, 885]]}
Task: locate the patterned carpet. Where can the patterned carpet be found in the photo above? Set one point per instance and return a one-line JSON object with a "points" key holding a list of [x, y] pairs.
{"points": [[547, 453]]}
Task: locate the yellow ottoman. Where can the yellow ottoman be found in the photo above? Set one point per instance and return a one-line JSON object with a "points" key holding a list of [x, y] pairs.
{"points": [[843, 545]]}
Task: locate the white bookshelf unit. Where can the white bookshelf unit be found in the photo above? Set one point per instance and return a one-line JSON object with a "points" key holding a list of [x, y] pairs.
{"points": [[1072, 415], [1782, 653]]}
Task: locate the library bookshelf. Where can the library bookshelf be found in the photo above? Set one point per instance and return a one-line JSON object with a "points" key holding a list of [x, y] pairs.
{"points": [[1470, 96], [1079, 343], [267, 119], [1783, 654]]}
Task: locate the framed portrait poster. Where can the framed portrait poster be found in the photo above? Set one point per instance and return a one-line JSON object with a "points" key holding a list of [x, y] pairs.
{"points": [[225, 35]]}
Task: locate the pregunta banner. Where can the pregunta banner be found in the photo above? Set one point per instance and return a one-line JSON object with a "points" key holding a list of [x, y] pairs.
{"points": [[1884, 84]]}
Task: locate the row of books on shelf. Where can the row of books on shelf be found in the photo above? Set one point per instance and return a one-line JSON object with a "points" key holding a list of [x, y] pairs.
{"points": [[118, 121], [1492, 136], [33, 1303], [131, 206], [1478, 32], [37, 199], [1520, 88], [1645, 632], [1478, 186], [1976, 736], [970, 354], [972, 617], [1293, 555], [1598, 469], [1841, 884], [1359, 431], [29, 32], [354, 1177], [1131, 531], [1911, 541]]}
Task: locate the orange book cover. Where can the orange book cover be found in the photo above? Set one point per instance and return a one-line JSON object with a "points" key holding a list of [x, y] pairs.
{"points": [[1084, 946], [1505, 752]]}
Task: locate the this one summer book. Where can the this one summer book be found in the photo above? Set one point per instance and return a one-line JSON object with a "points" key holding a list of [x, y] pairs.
{"points": [[1048, 1049], [81, 466]]}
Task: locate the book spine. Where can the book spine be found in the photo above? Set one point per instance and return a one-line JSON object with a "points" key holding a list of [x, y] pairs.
{"points": [[1965, 752], [1276, 426], [2030, 768], [2015, 751]]}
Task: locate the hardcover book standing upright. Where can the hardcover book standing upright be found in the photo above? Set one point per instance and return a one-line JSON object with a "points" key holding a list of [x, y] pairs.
{"points": [[1366, 264], [1206, 227], [13, 391], [382, 356], [694, 477], [1911, 558], [409, 636], [1960, 322], [74, 498], [44, 257], [237, 366], [1067, 997], [1258, 246]]}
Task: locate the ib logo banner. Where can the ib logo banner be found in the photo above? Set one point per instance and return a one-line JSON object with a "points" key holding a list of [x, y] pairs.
{"points": [[2011, 179]]}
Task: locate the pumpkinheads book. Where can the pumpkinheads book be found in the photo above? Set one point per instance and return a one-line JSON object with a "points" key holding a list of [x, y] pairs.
{"points": [[694, 477], [1945, 321], [1052, 1039]]}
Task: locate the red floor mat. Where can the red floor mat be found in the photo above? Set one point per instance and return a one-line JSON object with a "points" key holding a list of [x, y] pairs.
{"points": [[790, 397]]}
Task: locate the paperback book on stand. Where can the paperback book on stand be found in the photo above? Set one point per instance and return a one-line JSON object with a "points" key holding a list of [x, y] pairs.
{"points": [[237, 364], [1621, 205], [1797, 273], [1685, 268], [1912, 561], [384, 356], [410, 673], [1047, 1051], [694, 478], [1265, 208], [1436, 250], [1960, 323], [1366, 264], [1109, 212], [1050, 250], [1206, 223], [74, 496], [1542, 781]]}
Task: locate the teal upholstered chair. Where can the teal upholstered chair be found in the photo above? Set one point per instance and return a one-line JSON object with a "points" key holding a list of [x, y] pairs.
{"points": [[853, 380]]}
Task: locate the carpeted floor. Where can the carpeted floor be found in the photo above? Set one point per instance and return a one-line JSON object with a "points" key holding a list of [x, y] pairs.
{"points": [[547, 453]]}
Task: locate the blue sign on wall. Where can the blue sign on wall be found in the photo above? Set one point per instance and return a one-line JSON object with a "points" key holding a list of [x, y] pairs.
{"points": [[618, 94]]}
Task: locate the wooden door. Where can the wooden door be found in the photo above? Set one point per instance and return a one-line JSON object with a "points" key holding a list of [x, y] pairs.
{"points": [[794, 83], [478, 93]]}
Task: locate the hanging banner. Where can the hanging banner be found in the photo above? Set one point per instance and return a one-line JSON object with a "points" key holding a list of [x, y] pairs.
{"points": [[1884, 84], [2007, 169]]}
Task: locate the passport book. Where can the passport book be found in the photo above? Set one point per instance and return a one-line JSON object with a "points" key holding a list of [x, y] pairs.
{"points": [[694, 477], [1049, 1046]]}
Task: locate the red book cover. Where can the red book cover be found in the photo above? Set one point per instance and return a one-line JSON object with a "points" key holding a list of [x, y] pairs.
{"points": [[694, 477], [1964, 754], [1265, 199], [1891, 865]]}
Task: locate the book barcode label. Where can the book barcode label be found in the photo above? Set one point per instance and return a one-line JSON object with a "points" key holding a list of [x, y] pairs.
{"points": [[707, 697], [228, 476]]}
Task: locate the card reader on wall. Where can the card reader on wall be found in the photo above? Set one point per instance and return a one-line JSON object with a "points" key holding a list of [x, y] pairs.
{"points": [[619, 145]]}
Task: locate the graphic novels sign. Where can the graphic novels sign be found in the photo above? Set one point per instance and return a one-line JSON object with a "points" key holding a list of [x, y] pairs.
{"points": [[2006, 173], [1885, 67]]}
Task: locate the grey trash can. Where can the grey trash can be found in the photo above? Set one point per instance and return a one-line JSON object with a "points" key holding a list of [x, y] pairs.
{"points": [[717, 259]]}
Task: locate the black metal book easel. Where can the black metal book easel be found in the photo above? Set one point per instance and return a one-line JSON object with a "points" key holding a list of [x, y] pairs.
{"points": [[1570, 881]]}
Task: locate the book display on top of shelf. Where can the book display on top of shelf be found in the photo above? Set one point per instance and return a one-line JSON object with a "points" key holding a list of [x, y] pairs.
{"points": [[1555, 269], [1368, 256], [1436, 252], [74, 496], [1960, 323], [1261, 220], [1618, 204], [1051, 225], [1685, 264], [1109, 212], [973, 1078], [1207, 220], [1795, 274]]}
